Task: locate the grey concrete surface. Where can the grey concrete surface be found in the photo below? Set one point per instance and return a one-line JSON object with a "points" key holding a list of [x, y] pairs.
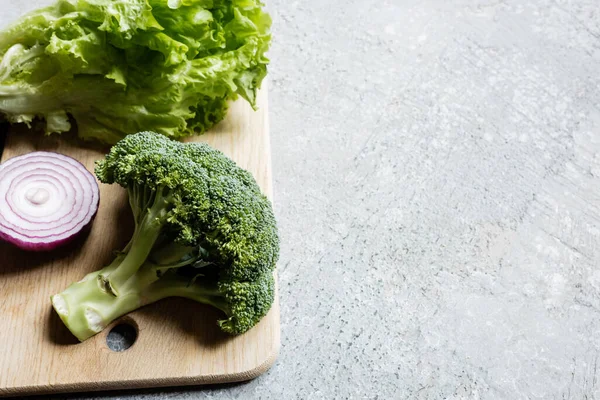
{"points": [[437, 179]]}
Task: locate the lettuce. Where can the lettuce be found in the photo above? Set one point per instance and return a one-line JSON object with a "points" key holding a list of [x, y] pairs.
{"points": [[118, 67]]}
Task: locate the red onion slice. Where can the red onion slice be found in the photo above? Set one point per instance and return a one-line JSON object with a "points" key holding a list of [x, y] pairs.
{"points": [[46, 199]]}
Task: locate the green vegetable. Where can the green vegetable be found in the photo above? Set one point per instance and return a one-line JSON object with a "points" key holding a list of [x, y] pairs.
{"points": [[203, 231], [123, 66]]}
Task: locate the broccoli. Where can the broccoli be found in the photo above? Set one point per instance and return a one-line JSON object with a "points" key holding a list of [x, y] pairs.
{"points": [[203, 231]]}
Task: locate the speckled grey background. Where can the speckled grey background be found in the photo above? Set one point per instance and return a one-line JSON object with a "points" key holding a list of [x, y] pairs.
{"points": [[437, 179]]}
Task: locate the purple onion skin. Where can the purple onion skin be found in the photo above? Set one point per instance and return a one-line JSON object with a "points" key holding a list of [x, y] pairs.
{"points": [[48, 246], [55, 244]]}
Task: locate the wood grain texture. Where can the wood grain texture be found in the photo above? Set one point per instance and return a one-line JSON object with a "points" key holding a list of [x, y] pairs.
{"points": [[179, 342]]}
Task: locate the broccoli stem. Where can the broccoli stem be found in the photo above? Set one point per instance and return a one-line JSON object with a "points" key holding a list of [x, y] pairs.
{"points": [[87, 307], [176, 286], [146, 233], [140, 197]]}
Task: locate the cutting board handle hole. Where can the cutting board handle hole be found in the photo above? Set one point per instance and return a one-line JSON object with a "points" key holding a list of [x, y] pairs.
{"points": [[122, 336]]}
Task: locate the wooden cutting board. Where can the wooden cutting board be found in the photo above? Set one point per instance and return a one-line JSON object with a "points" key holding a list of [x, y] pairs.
{"points": [[178, 341]]}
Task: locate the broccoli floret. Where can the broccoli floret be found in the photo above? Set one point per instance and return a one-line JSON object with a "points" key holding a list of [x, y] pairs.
{"points": [[203, 231]]}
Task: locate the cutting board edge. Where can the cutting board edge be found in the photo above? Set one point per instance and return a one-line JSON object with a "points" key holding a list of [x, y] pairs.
{"points": [[82, 387]]}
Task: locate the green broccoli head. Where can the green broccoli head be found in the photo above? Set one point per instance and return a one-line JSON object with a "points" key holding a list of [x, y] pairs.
{"points": [[248, 302], [209, 200], [203, 230]]}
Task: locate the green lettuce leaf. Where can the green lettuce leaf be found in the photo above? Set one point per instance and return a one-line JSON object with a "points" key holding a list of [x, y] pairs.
{"points": [[122, 66]]}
